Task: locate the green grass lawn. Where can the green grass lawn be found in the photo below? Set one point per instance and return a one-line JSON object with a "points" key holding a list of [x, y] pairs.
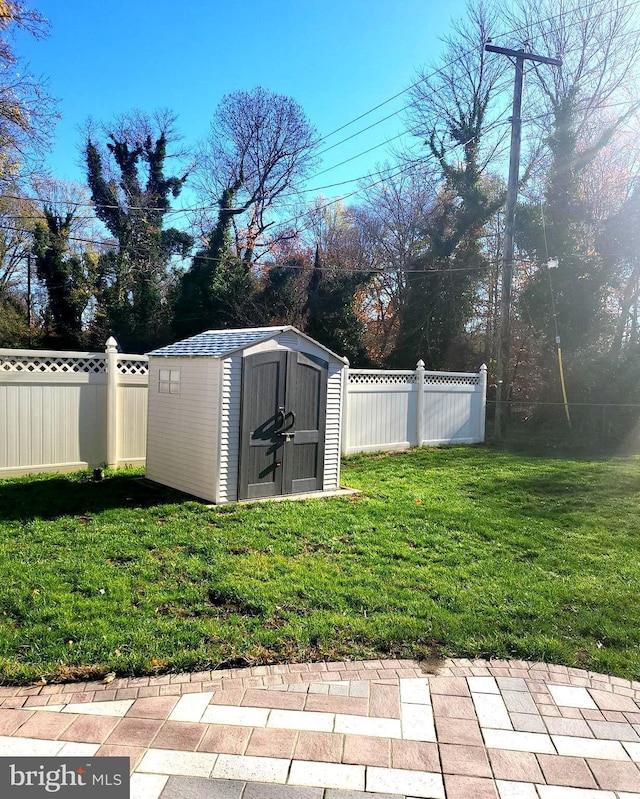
{"points": [[459, 551]]}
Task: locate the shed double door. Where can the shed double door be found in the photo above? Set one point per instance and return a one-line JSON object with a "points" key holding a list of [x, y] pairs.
{"points": [[282, 439]]}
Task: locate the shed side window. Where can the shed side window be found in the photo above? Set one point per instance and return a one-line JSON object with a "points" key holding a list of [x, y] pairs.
{"points": [[169, 381]]}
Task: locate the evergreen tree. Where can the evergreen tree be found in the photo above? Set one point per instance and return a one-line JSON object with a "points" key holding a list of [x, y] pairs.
{"points": [[67, 278], [331, 314], [451, 113], [439, 294], [135, 277], [217, 291], [620, 248], [284, 293], [561, 228]]}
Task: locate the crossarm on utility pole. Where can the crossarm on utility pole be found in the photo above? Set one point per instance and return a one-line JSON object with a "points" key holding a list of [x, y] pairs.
{"points": [[543, 59]]}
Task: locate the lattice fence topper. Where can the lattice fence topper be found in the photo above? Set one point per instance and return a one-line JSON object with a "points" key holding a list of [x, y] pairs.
{"points": [[411, 378], [382, 378], [53, 365], [444, 379], [130, 366]]}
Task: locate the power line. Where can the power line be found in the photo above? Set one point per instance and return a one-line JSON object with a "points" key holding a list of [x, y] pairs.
{"points": [[521, 29], [432, 75], [586, 7], [386, 172], [216, 206], [404, 169]]}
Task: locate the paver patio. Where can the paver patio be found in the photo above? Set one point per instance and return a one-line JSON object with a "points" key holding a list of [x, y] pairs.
{"points": [[474, 729]]}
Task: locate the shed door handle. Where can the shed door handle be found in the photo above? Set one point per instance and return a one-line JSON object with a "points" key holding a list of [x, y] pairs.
{"points": [[287, 431]]}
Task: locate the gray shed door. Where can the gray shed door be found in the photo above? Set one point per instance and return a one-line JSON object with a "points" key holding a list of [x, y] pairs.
{"points": [[284, 397]]}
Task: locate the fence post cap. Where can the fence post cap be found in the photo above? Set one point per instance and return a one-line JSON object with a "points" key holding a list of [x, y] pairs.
{"points": [[483, 368], [420, 364], [347, 362], [112, 344]]}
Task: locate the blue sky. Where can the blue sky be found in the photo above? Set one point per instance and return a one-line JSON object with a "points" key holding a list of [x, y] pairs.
{"points": [[338, 59]]}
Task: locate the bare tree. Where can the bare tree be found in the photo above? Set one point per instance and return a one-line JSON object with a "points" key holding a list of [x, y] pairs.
{"points": [[17, 220], [261, 148], [391, 219], [452, 109], [27, 112], [577, 109]]}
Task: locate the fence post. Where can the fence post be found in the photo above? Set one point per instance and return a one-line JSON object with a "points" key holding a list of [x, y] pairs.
{"points": [[345, 409], [112, 401], [420, 402], [483, 402]]}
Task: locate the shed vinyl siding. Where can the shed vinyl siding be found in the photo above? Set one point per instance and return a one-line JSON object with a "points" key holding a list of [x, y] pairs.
{"points": [[332, 435], [290, 340], [183, 428], [230, 427]]}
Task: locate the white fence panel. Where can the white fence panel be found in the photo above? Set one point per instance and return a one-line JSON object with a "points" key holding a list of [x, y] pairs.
{"points": [[453, 409], [54, 410], [63, 411], [381, 410], [400, 409]]}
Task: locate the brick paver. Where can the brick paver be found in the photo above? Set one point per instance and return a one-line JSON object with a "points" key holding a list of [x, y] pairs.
{"points": [[45, 725], [182, 735], [367, 751], [454, 731], [272, 743], [225, 739], [475, 730], [10, 720], [464, 760], [134, 732], [90, 729], [134, 753], [417, 755], [515, 766], [469, 787], [453, 707], [324, 746], [615, 776], [569, 771], [384, 701]]}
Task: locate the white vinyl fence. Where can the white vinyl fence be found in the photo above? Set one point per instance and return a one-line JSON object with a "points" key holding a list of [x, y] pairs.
{"points": [[65, 411], [401, 409]]}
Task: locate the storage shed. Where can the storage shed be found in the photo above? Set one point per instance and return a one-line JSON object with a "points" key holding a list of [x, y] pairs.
{"points": [[242, 414]]}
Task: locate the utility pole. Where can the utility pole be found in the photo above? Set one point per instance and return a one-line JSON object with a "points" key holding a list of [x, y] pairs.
{"points": [[29, 295], [504, 340]]}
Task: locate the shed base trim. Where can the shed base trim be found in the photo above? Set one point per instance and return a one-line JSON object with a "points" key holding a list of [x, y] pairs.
{"points": [[338, 492]]}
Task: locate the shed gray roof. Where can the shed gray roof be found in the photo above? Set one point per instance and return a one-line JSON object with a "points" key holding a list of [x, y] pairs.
{"points": [[220, 343]]}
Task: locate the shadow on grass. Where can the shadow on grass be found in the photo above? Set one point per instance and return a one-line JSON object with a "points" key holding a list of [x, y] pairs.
{"points": [[75, 495], [544, 485], [558, 442], [556, 484], [561, 487]]}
